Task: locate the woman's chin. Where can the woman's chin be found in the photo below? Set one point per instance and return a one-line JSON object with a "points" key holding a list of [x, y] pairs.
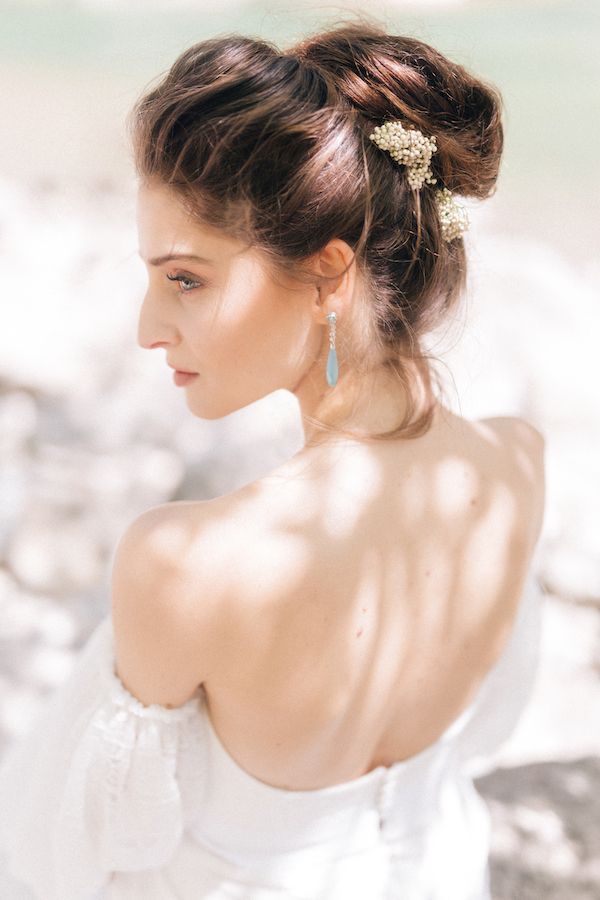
{"points": [[207, 410]]}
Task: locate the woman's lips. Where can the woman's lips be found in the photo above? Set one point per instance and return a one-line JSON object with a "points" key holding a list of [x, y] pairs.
{"points": [[183, 378]]}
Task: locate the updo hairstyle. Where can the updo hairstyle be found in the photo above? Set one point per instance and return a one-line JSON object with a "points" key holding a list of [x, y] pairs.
{"points": [[272, 147]]}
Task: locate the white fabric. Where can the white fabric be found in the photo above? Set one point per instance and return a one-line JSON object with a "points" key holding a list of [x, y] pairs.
{"points": [[106, 799]]}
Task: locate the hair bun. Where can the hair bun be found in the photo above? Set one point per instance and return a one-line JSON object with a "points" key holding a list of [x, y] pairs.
{"points": [[385, 76], [470, 146]]}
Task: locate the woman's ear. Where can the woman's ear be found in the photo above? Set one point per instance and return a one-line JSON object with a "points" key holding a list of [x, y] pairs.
{"points": [[336, 271]]}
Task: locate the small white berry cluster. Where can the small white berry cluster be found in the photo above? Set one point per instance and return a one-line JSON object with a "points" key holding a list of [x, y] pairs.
{"points": [[411, 148], [453, 215]]}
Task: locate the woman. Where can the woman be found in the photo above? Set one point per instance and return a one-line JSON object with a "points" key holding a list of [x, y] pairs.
{"points": [[298, 680]]}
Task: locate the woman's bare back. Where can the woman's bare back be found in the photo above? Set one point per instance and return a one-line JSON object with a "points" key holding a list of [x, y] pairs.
{"points": [[366, 590]]}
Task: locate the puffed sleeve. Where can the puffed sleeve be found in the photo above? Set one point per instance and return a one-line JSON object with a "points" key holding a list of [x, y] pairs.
{"points": [[100, 783]]}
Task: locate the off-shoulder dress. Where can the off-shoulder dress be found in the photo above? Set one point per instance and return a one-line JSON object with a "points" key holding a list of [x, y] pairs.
{"points": [[107, 799]]}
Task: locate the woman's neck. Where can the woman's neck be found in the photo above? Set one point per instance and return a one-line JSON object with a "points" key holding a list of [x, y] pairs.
{"points": [[376, 403]]}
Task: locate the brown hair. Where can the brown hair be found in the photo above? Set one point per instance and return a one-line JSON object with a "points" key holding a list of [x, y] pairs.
{"points": [[273, 147]]}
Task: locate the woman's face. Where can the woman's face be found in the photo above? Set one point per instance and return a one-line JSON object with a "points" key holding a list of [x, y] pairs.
{"points": [[220, 315]]}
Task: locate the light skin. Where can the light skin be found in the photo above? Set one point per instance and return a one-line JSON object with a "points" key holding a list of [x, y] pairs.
{"points": [[244, 331], [247, 335]]}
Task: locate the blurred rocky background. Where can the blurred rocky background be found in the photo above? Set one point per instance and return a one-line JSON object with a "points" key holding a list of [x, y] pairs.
{"points": [[92, 430]]}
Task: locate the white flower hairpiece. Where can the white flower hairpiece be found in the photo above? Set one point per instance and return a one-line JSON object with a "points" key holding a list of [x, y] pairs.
{"points": [[411, 148], [453, 215], [408, 147]]}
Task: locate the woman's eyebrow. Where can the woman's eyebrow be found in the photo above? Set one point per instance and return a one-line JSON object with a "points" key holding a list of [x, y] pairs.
{"points": [[159, 260]]}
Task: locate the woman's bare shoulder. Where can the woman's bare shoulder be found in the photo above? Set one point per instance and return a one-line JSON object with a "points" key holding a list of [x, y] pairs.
{"points": [[519, 429], [525, 440], [526, 446], [213, 543]]}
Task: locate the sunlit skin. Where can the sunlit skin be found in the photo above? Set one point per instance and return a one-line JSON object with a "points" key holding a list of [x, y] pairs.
{"points": [[244, 331], [388, 574]]}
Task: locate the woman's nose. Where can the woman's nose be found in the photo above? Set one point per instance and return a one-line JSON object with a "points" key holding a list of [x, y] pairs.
{"points": [[153, 329]]}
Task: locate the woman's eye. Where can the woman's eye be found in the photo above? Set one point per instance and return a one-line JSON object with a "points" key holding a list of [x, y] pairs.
{"points": [[186, 284]]}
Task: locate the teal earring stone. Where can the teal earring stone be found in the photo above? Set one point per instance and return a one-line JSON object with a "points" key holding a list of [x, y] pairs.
{"points": [[332, 367], [332, 362]]}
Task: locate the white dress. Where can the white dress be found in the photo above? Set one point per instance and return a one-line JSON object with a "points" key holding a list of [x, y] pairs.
{"points": [[106, 799]]}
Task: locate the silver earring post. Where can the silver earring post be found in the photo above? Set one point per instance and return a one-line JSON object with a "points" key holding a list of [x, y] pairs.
{"points": [[332, 362]]}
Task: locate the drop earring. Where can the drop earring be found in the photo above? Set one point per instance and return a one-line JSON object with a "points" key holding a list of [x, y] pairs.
{"points": [[332, 363]]}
